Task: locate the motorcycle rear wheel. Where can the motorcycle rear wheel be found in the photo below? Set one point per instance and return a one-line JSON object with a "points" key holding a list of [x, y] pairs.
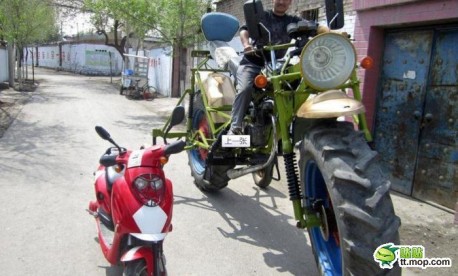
{"points": [[216, 178], [263, 178], [343, 182]]}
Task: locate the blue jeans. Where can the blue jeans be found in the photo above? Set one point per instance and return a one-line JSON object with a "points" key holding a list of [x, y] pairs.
{"points": [[245, 81]]}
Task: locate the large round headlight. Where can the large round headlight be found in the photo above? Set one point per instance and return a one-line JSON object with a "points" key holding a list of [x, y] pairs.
{"points": [[327, 61]]}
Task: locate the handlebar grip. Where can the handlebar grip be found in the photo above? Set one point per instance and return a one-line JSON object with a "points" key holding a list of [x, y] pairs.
{"points": [[175, 147], [108, 160]]}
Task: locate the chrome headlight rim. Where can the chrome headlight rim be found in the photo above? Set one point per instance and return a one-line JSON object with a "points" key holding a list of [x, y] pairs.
{"points": [[323, 56]]}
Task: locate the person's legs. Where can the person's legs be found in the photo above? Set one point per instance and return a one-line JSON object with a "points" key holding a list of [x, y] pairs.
{"points": [[245, 77]]}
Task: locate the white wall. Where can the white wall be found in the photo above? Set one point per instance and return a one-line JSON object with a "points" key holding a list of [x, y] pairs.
{"points": [[90, 59], [3, 64], [48, 56], [160, 70], [87, 59], [94, 59]]}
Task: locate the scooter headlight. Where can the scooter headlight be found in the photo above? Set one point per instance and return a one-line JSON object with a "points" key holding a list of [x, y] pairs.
{"points": [[141, 183], [149, 189], [156, 183], [327, 61]]}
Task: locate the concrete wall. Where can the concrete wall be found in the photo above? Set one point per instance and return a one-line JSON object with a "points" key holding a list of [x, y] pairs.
{"points": [[94, 59], [160, 70], [87, 59], [3, 64], [374, 16]]}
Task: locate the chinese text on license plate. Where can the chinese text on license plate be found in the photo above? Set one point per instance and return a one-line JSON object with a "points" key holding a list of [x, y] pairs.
{"points": [[236, 141]]}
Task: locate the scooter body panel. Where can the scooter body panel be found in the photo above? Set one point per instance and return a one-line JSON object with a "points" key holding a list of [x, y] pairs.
{"points": [[101, 191], [130, 216]]}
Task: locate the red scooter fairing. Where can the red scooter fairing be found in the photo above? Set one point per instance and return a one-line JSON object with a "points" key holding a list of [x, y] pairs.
{"points": [[134, 205], [133, 216]]}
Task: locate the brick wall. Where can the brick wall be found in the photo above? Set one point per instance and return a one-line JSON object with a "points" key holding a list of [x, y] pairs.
{"points": [[369, 4], [235, 7], [374, 16]]}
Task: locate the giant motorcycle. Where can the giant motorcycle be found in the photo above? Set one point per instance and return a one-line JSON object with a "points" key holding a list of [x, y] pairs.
{"points": [[309, 102]]}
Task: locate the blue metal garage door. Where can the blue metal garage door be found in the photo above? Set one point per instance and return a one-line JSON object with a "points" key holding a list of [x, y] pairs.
{"points": [[417, 115]]}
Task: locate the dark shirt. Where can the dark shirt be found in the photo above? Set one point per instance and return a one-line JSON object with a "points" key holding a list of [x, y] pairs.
{"points": [[277, 27]]}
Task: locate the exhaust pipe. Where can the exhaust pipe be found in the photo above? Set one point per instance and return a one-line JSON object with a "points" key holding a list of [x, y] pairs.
{"points": [[236, 173]]}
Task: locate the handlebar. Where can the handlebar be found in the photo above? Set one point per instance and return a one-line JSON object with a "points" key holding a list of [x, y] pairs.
{"points": [[108, 160], [175, 147]]}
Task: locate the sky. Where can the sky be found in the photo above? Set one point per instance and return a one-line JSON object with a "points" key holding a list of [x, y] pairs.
{"points": [[81, 22]]}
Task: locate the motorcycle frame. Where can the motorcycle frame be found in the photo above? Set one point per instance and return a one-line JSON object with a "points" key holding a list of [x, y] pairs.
{"points": [[286, 105]]}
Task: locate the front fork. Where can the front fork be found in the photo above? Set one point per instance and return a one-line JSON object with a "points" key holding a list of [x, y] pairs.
{"points": [[153, 256], [305, 217]]}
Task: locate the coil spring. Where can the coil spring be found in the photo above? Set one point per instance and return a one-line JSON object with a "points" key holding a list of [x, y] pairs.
{"points": [[191, 105], [291, 176]]}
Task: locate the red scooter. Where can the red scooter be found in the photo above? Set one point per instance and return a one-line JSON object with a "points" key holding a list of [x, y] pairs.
{"points": [[134, 203]]}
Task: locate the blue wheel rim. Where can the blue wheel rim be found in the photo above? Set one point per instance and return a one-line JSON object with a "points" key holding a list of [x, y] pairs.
{"points": [[197, 162], [328, 253]]}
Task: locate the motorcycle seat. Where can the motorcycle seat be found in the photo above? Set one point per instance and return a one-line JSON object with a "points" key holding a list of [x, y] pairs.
{"points": [[219, 26], [219, 29]]}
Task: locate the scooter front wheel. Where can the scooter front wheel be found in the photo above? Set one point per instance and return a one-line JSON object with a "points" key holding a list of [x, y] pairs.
{"points": [[136, 268]]}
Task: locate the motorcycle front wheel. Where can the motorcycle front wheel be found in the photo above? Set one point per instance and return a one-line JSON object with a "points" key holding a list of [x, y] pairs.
{"points": [[207, 177], [342, 182]]}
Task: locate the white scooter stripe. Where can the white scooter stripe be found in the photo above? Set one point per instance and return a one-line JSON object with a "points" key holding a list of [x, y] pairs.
{"points": [[130, 254]]}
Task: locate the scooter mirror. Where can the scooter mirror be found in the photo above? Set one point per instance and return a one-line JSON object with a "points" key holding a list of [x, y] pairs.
{"points": [[177, 116], [102, 133], [335, 14]]}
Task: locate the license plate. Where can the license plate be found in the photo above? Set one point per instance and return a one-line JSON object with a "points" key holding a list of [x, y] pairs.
{"points": [[236, 141]]}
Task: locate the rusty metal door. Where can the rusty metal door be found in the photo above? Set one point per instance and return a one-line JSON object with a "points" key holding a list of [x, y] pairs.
{"points": [[416, 127], [403, 88], [436, 176]]}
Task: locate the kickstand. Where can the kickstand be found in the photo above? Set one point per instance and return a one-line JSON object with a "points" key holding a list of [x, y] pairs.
{"points": [[277, 169]]}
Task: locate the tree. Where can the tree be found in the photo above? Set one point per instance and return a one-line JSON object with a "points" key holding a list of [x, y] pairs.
{"points": [[24, 22], [175, 22]]}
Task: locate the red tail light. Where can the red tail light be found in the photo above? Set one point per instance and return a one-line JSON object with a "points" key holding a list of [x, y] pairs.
{"points": [[149, 189]]}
